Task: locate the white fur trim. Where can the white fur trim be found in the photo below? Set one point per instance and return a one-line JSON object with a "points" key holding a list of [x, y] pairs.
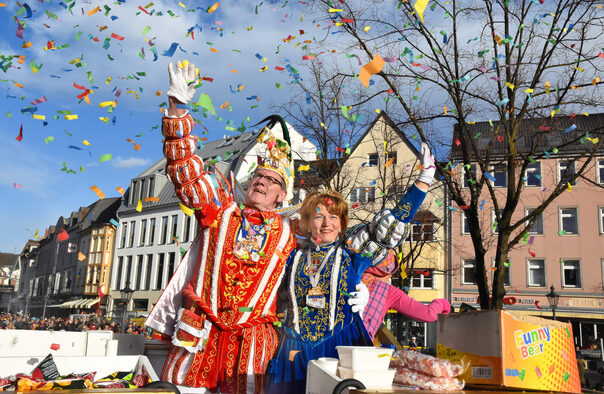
{"points": [[335, 275], [204, 258], [280, 246], [292, 294]]}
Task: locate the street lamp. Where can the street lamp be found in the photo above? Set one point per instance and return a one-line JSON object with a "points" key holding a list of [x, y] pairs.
{"points": [[126, 294], [552, 298]]}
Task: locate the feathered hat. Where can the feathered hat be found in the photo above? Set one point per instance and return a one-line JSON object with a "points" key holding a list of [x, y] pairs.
{"points": [[278, 157]]}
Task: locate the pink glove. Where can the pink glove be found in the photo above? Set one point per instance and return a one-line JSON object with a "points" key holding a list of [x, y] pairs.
{"points": [[442, 305], [397, 299]]}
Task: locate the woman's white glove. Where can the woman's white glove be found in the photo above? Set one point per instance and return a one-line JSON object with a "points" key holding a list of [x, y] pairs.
{"points": [[359, 299], [427, 163], [182, 82]]}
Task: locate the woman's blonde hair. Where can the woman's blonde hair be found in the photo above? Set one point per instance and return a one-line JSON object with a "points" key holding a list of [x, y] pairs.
{"points": [[333, 201]]}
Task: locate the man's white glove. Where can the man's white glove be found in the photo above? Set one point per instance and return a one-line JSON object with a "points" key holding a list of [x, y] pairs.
{"points": [[427, 162], [359, 299], [182, 82]]}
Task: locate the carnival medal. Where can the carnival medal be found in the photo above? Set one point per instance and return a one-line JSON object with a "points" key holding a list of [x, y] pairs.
{"points": [[315, 298]]}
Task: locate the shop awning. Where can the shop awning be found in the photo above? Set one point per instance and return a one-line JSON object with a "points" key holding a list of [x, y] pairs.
{"points": [[69, 304], [90, 303]]}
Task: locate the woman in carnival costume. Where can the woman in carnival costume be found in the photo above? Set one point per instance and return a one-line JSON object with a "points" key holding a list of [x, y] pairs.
{"points": [[321, 274]]}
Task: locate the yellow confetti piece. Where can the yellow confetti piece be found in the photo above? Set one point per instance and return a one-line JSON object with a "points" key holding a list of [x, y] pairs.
{"points": [[94, 11], [182, 5], [510, 85], [108, 80], [120, 190], [304, 168], [472, 122], [85, 142], [139, 205], [106, 120], [213, 8], [188, 211], [39, 117], [377, 111], [98, 191], [420, 7], [187, 343], [335, 10], [528, 91], [71, 117], [366, 28], [108, 103], [569, 187]]}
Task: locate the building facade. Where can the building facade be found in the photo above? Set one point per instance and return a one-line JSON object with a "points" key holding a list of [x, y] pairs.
{"points": [[564, 248]]}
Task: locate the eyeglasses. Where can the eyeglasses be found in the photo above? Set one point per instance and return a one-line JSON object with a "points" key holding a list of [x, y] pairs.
{"points": [[269, 178]]}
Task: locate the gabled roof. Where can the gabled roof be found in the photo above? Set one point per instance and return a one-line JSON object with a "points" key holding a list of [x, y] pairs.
{"points": [[8, 259], [389, 122], [101, 212], [537, 134]]}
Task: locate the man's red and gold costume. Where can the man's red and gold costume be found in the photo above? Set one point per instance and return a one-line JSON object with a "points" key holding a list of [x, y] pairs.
{"points": [[220, 304]]}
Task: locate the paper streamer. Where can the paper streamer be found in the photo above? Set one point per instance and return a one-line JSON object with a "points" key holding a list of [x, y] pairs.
{"points": [[98, 191], [371, 68]]}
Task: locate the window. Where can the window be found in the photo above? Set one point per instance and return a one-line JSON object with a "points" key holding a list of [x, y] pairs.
{"points": [[536, 273], [187, 230], [174, 234], [390, 156], [118, 273], [151, 230], [132, 229], [501, 176], [128, 270], [422, 279], [494, 224], [160, 271], [92, 244], [600, 171], [538, 225], [465, 225], [138, 277], [151, 186], [563, 165], [373, 159], [142, 196], [507, 277], [569, 221], [141, 241], [465, 182], [148, 272], [422, 232], [133, 193], [371, 194], [533, 174], [601, 216], [171, 263], [352, 196], [164, 230], [124, 233], [571, 273], [468, 272]]}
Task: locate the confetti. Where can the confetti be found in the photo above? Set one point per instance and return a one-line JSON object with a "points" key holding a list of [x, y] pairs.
{"points": [[105, 157], [62, 235], [371, 68], [98, 191]]}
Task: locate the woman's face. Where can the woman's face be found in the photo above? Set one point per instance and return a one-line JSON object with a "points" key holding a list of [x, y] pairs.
{"points": [[324, 226]]}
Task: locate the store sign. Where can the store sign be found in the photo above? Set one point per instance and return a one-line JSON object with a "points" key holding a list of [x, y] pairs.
{"points": [[584, 302], [6, 289]]}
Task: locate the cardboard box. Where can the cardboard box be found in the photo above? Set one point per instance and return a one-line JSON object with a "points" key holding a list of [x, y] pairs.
{"points": [[511, 350]]}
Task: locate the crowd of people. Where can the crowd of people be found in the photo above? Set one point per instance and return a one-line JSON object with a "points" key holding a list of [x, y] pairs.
{"points": [[10, 321]]}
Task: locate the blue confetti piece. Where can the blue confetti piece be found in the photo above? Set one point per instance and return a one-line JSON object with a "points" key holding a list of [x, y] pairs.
{"points": [[27, 10], [503, 102], [114, 222], [512, 372], [546, 154], [372, 182], [74, 147], [259, 56], [307, 97], [171, 50], [215, 201], [489, 176], [571, 128]]}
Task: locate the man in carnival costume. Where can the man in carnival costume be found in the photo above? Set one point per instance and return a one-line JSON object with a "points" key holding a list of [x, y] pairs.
{"points": [[219, 307]]}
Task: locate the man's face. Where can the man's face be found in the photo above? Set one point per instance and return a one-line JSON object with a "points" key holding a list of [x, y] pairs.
{"points": [[265, 190]]}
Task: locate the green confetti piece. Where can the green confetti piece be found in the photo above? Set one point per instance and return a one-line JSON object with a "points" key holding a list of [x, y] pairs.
{"points": [[566, 376], [146, 30], [82, 169], [438, 202], [277, 84], [89, 75], [506, 264], [555, 150], [9, 115], [522, 373], [525, 238], [48, 139], [245, 309], [205, 102], [64, 112], [494, 225], [51, 15], [567, 332], [346, 293], [105, 157], [561, 232], [277, 323], [306, 310]]}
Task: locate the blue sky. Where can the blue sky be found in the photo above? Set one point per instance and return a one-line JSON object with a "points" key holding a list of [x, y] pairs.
{"points": [[44, 192]]}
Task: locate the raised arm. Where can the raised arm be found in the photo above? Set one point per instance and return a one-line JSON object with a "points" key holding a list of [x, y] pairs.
{"points": [[195, 187], [389, 227]]}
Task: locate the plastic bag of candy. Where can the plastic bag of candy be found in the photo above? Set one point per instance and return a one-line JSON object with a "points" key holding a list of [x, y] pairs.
{"points": [[409, 377], [425, 364]]}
